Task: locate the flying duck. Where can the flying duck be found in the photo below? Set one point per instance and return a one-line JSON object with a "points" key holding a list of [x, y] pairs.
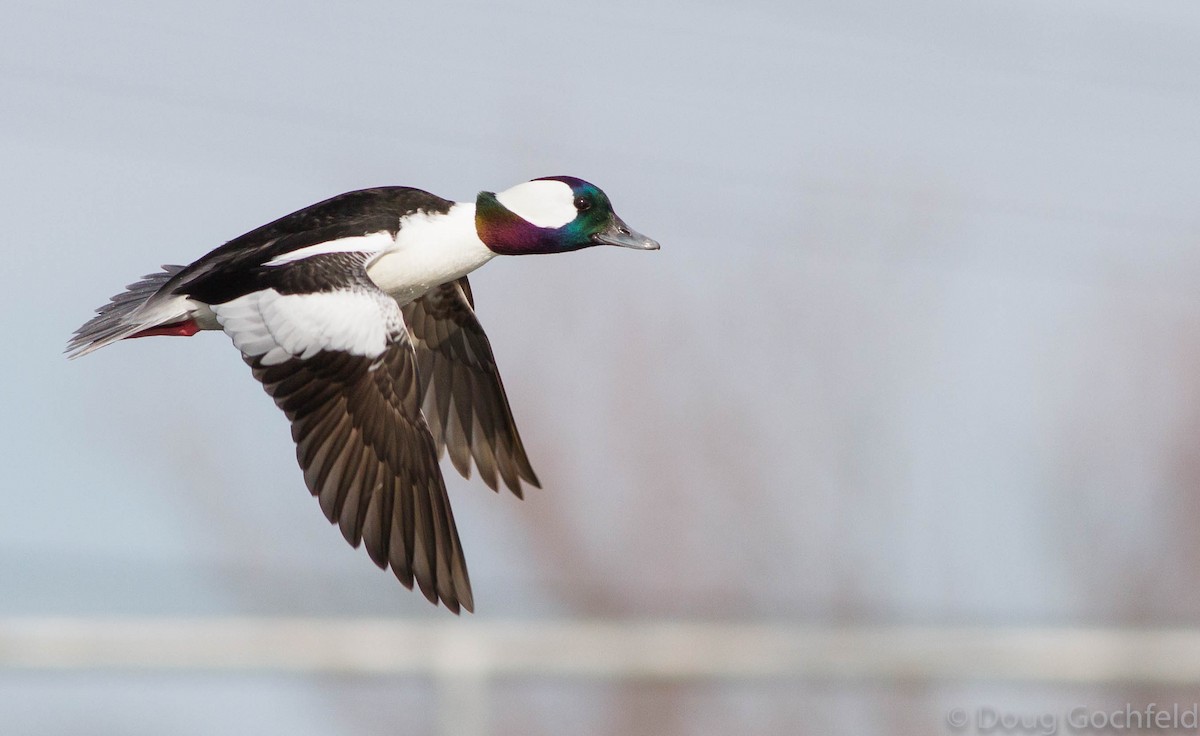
{"points": [[356, 316]]}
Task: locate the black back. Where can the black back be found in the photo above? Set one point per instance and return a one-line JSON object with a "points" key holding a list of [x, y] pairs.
{"points": [[236, 268]]}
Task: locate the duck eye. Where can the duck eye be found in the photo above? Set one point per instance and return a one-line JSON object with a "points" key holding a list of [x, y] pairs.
{"points": [[582, 204]]}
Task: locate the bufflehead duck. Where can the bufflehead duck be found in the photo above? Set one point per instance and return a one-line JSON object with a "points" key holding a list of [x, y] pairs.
{"points": [[356, 315]]}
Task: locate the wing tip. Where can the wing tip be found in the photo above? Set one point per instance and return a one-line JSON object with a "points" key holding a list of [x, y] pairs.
{"points": [[456, 598]]}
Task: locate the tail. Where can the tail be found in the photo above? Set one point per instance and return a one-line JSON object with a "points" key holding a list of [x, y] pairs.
{"points": [[126, 314]]}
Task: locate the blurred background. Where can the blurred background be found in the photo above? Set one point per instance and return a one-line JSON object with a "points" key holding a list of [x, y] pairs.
{"points": [[920, 348]]}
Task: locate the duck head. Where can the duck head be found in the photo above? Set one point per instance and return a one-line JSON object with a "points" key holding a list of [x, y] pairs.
{"points": [[555, 214]]}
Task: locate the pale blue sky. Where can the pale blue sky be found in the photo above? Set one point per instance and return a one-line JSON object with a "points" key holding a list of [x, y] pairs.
{"points": [[921, 344]]}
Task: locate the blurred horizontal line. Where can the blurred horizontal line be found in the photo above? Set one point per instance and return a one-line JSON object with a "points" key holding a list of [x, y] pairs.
{"points": [[666, 650]]}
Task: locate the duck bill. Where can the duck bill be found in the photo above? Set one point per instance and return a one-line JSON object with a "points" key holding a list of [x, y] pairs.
{"points": [[621, 235]]}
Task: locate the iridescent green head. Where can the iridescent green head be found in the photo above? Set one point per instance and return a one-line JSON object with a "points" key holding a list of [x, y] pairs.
{"points": [[555, 214]]}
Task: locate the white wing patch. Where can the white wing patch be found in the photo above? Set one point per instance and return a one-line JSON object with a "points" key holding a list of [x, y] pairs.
{"points": [[280, 327], [370, 243]]}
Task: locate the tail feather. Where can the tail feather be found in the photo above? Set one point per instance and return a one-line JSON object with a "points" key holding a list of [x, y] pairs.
{"points": [[122, 316]]}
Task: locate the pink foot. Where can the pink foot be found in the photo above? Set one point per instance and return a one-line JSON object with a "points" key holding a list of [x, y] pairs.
{"points": [[187, 328]]}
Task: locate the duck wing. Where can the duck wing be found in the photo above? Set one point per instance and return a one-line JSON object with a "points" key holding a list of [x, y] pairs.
{"points": [[332, 350], [463, 397]]}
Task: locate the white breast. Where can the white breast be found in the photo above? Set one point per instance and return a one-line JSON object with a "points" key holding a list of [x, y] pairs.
{"points": [[430, 249]]}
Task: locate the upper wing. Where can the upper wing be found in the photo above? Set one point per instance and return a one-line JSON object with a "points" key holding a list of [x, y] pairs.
{"points": [[365, 220], [464, 400], [340, 365]]}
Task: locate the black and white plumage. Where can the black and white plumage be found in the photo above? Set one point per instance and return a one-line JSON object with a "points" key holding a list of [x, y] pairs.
{"points": [[356, 316]]}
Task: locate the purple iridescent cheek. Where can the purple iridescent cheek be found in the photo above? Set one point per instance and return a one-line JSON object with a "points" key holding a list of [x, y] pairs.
{"points": [[507, 234]]}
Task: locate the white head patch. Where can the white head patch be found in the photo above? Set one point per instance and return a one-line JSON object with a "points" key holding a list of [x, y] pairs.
{"points": [[545, 203]]}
